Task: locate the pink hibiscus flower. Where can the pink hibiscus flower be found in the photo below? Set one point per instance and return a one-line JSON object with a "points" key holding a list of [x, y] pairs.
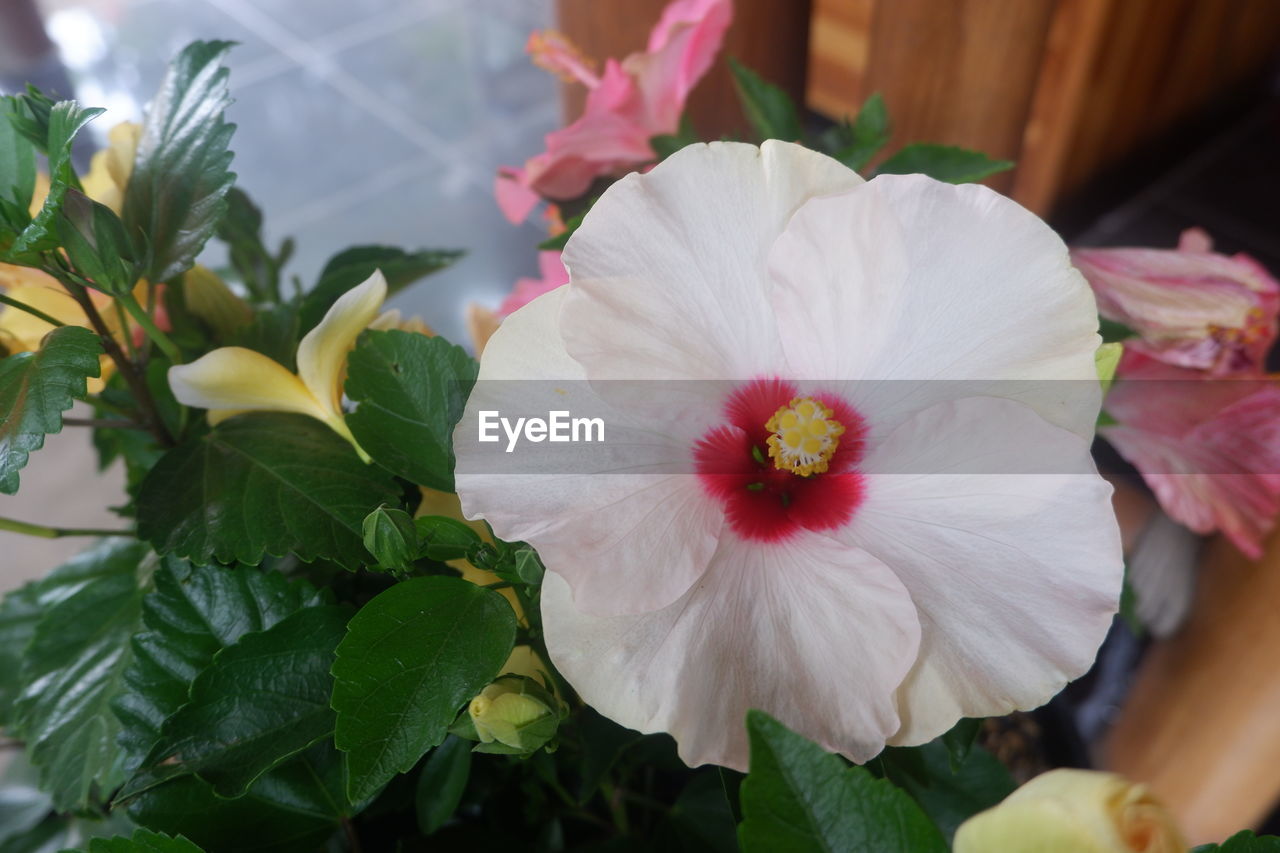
{"points": [[1208, 447], [1191, 307], [632, 101]]}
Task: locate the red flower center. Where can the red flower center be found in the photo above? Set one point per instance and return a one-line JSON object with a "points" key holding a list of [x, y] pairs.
{"points": [[783, 463]]}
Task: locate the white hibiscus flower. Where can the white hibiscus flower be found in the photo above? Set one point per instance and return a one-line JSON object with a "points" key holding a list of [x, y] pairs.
{"points": [[885, 518]]}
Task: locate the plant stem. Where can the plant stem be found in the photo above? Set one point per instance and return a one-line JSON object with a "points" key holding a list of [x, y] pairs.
{"points": [[353, 840], [34, 312], [102, 423], [167, 346], [132, 377], [43, 532]]}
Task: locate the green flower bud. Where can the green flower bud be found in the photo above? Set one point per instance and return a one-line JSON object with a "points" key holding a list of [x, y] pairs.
{"points": [[209, 298], [390, 536], [514, 712]]}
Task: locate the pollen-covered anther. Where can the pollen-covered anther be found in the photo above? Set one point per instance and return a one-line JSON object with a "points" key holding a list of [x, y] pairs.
{"points": [[805, 437]]}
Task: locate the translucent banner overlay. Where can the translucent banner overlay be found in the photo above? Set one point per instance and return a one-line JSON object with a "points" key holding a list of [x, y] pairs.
{"points": [[897, 427]]}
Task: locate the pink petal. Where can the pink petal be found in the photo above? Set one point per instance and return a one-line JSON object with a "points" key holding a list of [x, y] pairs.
{"points": [[528, 289], [1192, 307], [1209, 448], [681, 49], [515, 199]]}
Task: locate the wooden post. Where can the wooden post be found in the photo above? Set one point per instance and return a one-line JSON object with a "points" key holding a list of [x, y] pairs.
{"points": [[1202, 723]]}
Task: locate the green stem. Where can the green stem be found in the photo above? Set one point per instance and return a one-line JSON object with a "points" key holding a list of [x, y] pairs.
{"points": [[167, 346], [43, 532], [34, 312]]}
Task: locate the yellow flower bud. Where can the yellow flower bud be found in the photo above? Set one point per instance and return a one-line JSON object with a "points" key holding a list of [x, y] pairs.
{"points": [[111, 168], [1073, 811], [209, 298], [517, 712]]}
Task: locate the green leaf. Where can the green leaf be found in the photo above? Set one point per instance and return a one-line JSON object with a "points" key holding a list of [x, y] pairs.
{"points": [[193, 613], [1129, 604], [35, 389], [410, 391], [177, 191], [412, 656], [391, 537], [347, 269], [241, 230], [949, 789], [559, 241], [143, 841], [855, 144], [1243, 842], [17, 160], [294, 808], [442, 783], [799, 797], [769, 109], [1114, 332], [445, 538], [66, 119], [943, 163], [262, 700], [19, 613], [96, 243], [262, 483], [73, 669]]}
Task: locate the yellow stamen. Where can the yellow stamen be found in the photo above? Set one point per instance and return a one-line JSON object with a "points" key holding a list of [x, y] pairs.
{"points": [[805, 437]]}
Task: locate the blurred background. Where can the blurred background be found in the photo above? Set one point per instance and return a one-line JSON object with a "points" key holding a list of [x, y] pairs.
{"points": [[383, 121]]}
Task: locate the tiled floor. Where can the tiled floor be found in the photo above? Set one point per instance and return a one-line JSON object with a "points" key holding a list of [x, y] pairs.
{"points": [[359, 121]]}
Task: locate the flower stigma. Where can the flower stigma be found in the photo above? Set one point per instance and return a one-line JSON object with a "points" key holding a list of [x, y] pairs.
{"points": [[805, 435]]}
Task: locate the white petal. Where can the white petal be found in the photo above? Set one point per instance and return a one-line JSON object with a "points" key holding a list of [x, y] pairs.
{"points": [[627, 539], [322, 354], [815, 633], [668, 271], [1016, 575], [907, 278]]}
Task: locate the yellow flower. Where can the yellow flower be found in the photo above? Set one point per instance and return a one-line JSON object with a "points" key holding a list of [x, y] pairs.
{"points": [[393, 319], [110, 168], [23, 332], [208, 297], [231, 380], [1073, 811]]}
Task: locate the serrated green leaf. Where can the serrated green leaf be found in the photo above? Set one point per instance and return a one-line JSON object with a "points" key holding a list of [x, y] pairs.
{"points": [[35, 389], [95, 241], [855, 144], [410, 391], [193, 613], [19, 613], [17, 160], [799, 797], [412, 656], [442, 783], [66, 119], [181, 176], [1243, 842], [142, 841], [769, 109], [347, 269], [942, 162], [261, 701], [262, 483], [291, 809], [73, 669], [241, 230]]}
